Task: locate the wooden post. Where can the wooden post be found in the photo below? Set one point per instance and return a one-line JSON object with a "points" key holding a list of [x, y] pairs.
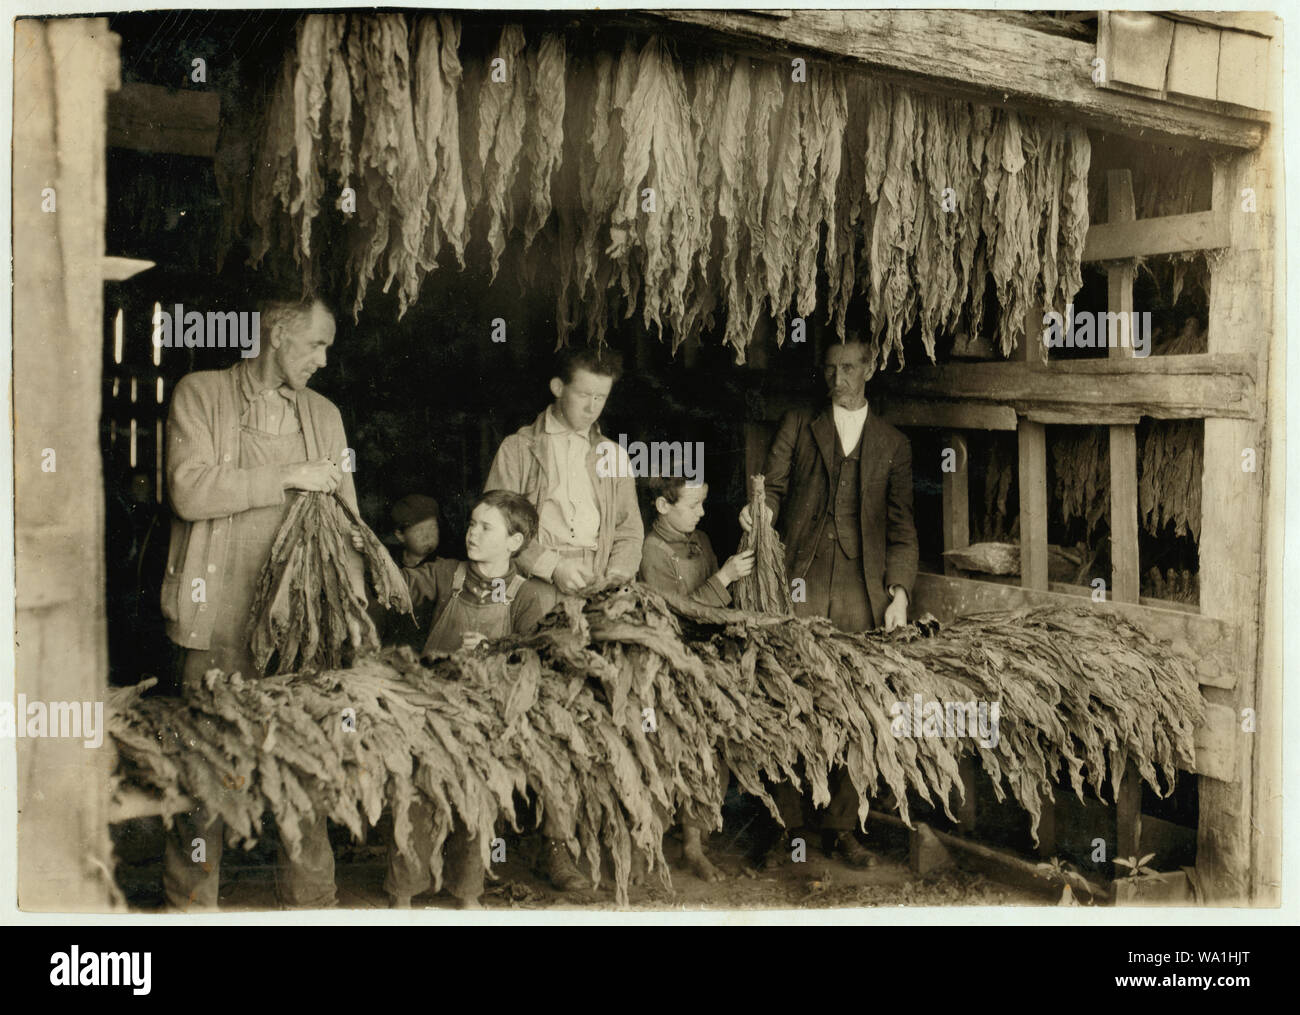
{"points": [[1124, 564], [68, 66], [1232, 498], [1128, 816], [956, 501], [1032, 438]]}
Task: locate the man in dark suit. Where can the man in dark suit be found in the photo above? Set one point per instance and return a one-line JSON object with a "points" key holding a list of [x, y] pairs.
{"points": [[839, 484]]}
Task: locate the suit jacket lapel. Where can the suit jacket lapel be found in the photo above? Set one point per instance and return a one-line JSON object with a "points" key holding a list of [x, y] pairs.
{"points": [[823, 431], [872, 444]]}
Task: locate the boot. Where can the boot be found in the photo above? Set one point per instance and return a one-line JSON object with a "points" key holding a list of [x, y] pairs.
{"points": [[557, 866]]}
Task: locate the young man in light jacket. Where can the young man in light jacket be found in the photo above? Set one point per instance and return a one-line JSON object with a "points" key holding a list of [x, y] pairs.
{"points": [[590, 522], [239, 441]]}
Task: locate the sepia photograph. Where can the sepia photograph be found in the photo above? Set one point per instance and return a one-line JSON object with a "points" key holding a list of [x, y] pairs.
{"points": [[614, 462]]}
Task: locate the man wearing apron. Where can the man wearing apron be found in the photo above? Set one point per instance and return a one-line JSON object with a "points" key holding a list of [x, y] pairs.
{"points": [[240, 443]]}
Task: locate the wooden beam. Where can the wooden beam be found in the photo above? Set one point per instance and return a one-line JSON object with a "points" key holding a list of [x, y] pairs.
{"points": [[1098, 392], [1213, 644], [971, 55], [1232, 513], [1123, 507], [1217, 741], [1128, 815], [151, 118], [947, 415], [956, 501], [1170, 234], [1033, 505], [1124, 582]]}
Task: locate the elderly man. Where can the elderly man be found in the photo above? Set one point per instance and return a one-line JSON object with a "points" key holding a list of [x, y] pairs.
{"points": [[840, 483], [238, 441]]}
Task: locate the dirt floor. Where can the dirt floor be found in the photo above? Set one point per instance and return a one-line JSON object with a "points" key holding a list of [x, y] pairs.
{"points": [[819, 882]]}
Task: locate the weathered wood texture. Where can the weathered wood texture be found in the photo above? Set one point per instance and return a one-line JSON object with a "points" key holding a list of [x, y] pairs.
{"points": [[1123, 508], [1232, 498], [62, 70], [1124, 582], [1032, 443], [967, 53], [1170, 234], [1164, 387], [1266, 780], [1196, 65]]}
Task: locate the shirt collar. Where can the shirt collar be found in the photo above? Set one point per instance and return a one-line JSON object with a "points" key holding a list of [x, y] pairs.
{"points": [[554, 425], [249, 388], [839, 412], [670, 535], [472, 576]]}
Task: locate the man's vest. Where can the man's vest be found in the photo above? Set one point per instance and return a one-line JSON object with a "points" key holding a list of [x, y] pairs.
{"points": [[845, 505]]}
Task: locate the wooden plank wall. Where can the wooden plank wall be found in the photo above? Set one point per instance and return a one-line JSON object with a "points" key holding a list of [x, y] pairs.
{"points": [[63, 69]]}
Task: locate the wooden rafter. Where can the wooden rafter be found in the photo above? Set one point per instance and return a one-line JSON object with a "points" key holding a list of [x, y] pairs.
{"points": [[969, 54]]}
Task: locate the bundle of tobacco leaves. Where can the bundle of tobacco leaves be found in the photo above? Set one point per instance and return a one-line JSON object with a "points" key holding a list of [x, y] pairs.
{"points": [[1170, 463], [309, 612], [613, 713], [764, 589], [1169, 475], [1081, 464]]}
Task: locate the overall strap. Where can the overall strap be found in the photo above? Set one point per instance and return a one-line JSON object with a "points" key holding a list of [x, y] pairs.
{"points": [[458, 580], [308, 428]]}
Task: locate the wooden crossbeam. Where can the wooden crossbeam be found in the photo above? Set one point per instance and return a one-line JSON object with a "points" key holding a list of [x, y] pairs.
{"points": [[967, 54], [1100, 390], [1170, 234]]}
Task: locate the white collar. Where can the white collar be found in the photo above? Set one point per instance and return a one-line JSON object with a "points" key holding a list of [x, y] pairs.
{"points": [[854, 415]]}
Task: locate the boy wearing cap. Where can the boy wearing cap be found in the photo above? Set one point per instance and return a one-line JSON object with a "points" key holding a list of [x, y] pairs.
{"points": [[415, 528]]}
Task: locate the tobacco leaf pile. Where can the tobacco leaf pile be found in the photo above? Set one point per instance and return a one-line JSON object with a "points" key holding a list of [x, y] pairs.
{"points": [[310, 608], [562, 714], [702, 189]]}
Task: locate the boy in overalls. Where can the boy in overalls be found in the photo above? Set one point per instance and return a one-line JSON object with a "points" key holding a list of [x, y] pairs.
{"points": [[477, 600]]}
